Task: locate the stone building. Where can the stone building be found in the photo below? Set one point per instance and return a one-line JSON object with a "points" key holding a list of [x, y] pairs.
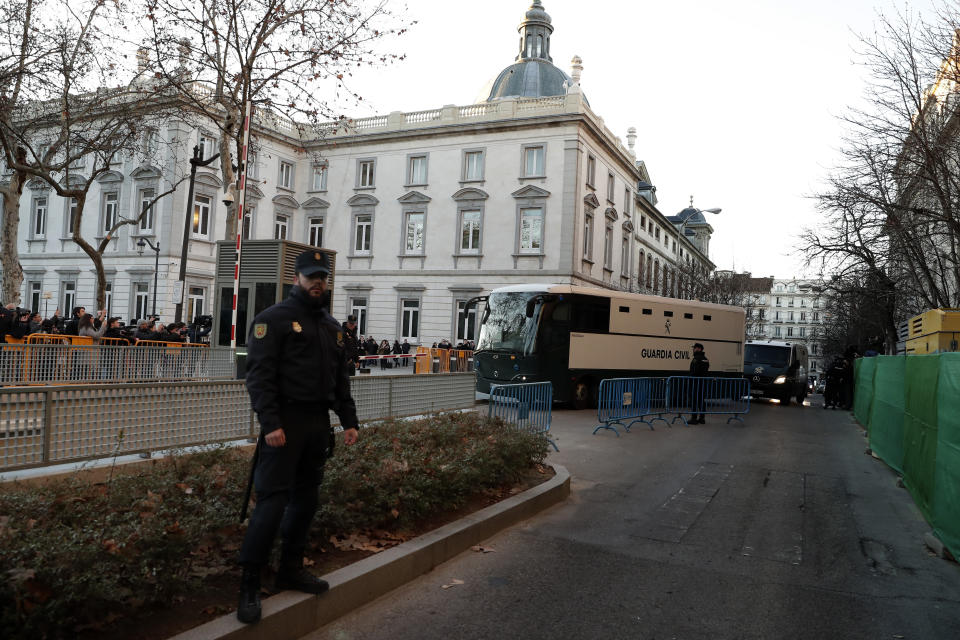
{"points": [[425, 209]]}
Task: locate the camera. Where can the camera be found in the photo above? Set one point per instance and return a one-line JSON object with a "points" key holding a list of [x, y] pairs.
{"points": [[204, 322]]}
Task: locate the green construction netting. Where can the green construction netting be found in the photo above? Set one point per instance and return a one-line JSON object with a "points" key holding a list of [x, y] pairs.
{"points": [[912, 409], [886, 411], [946, 495], [864, 370], [920, 428]]}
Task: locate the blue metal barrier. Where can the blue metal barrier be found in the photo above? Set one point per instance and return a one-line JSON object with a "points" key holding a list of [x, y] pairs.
{"points": [[526, 406], [621, 399], [658, 402], [717, 396]]}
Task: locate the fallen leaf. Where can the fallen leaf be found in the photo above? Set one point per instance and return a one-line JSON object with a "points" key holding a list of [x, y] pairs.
{"points": [[183, 487], [452, 583], [395, 513], [111, 546], [481, 549]]}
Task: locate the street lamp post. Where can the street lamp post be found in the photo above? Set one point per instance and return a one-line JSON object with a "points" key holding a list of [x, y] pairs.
{"points": [[141, 243], [195, 161]]}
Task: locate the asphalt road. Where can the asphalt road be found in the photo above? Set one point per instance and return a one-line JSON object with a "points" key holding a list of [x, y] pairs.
{"points": [[779, 528]]}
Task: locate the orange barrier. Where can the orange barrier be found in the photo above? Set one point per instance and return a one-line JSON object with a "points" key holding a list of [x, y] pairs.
{"points": [[57, 338], [423, 362], [12, 340]]}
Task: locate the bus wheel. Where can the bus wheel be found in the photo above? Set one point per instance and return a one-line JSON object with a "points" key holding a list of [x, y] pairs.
{"points": [[582, 393]]}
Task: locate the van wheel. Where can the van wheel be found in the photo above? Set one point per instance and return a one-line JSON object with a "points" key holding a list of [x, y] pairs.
{"points": [[581, 394]]}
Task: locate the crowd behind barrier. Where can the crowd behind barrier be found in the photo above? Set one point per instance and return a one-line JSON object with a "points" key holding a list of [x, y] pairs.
{"points": [[424, 360], [79, 362], [525, 406], [635, 399]]}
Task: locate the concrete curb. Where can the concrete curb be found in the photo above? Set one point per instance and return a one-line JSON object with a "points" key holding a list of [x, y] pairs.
{"points": [[292, 615]]}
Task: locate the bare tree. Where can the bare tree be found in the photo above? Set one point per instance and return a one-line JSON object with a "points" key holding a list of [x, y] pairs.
{"points": [[892, 206], [283, 56], [72, 119]]}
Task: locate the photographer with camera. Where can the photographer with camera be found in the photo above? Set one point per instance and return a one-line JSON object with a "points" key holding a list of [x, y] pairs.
{"points": [[115, 330], [200, 328]]}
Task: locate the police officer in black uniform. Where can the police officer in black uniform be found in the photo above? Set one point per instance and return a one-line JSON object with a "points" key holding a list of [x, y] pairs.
{"points": [[296, 372], [699, 367]]}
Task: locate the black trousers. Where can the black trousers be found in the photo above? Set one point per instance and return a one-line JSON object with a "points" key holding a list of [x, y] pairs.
{"points": [[286, 481]]}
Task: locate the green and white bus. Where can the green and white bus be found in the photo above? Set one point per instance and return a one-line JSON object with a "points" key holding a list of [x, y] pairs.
{"points": [[577, 336]]}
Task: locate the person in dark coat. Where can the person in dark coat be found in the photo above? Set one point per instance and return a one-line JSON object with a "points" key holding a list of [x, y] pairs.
{"points": [[405, 349], [73, 324], [350, 342], [296, 373], [833, 389], [699, 367]]}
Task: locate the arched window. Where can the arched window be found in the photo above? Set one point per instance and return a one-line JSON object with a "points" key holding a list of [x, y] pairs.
{"points": [[529, 45], [539, 50], [641, 268], [656, 275], [649, 271]]}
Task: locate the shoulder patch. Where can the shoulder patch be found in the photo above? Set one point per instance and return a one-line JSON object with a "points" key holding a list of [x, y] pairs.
{"points": [[259, 331], [339, 338]]}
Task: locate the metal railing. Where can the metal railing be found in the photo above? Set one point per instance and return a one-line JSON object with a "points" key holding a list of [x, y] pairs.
{"points": [[638, 399], [42, 364], [716, 396], [525, 406], [46, 425], [620, 399]]}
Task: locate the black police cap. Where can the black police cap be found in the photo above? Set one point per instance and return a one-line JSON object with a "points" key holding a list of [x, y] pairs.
{"points": [[310, 263], [697, 344]]}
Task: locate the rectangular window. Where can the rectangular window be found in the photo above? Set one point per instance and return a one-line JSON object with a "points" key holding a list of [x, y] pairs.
{"points": [[285, 179], [207, 146], [531, 230], [410, 320], [413, 233], [626, 201], [777, 333], [201, 216], [195, 299], [657, 234], [108, 298], [608, 247], [466, 322], [35, 293], [146, 211], [473, 166], [591, 171], [588, 236], [71, 216], [39, 217], [789, 332], [417, 170], [533, 161], [803, 331], [141, 295], [319, 180], [358, 307], [776, 315], [625, 255], [790, 316], [247, 223], [315, 232], [149, 143], [470, 232], [362, 233], [803, 316], [69, 299], [611, 185], [365, 173], [109, 210], [280, 224], [253, 168], [816, 316]]}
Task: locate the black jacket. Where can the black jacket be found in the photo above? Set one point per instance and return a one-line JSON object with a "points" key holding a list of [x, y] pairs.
{"points": [[700, 365], [296, 353], [350, 342]]}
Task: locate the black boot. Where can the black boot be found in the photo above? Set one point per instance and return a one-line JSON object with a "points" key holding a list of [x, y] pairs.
{"points": [[248, 610], [294, 577]]}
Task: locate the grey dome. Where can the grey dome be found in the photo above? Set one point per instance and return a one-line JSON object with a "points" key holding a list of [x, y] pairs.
{"points": [[534, 78], [537, 12], [690, 215]]}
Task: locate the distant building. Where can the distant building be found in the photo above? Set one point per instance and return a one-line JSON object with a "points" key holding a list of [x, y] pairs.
{"points": [[795, 313]]}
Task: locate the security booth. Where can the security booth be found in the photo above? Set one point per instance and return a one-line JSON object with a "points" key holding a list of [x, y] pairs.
{"points": [[267, 272]]}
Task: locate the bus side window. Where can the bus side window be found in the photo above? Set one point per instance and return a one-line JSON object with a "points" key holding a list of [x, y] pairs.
{"points": [[561, 312], [556, 332], [592, 317]]}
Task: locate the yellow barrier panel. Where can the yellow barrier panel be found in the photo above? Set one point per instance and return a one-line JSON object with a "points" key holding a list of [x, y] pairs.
{"points": [[422, 361]]}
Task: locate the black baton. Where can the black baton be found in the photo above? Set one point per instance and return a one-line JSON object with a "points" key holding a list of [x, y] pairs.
{"points": [[253, 469]]}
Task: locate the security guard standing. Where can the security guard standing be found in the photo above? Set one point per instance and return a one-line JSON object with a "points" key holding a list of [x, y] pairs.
{"points": [[296, 372], [351, 342], [699, 367]]}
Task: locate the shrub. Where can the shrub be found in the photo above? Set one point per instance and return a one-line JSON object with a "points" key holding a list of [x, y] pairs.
{"points": [[75, 554]]}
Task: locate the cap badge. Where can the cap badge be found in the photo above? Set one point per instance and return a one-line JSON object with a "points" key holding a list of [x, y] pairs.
{"points": [[297, 327], [317, 257]]}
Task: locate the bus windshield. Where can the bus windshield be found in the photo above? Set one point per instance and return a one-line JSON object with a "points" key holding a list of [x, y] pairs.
{"points": [[772, 355], [506, 326]]}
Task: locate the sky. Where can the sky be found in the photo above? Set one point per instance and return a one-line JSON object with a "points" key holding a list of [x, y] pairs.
{"points": [[735, 103]]}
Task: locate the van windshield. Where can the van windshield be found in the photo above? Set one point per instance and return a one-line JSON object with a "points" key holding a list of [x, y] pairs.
{"points": [[768, 354]]}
